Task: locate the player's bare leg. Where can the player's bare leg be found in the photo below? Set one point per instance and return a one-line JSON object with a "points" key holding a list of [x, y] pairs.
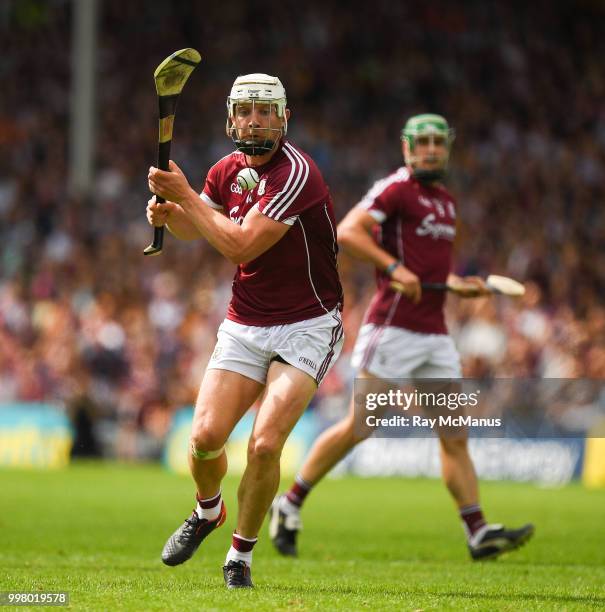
{"points": [[458, 471], [286, 396], [287, 393], [484, 541], [333, 444], [330, 447], [223, 399], [458, 474]]}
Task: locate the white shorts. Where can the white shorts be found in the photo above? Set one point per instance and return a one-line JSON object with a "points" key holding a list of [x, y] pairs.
{"points": [[394, 352], [312, 346]]}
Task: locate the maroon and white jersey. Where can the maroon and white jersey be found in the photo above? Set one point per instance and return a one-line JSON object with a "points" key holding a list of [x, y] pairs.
{"points": [[297, 278], [418, 226]]}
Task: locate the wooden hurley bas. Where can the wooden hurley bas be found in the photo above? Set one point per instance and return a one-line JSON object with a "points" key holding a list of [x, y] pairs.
{"points": [[500, 285]]}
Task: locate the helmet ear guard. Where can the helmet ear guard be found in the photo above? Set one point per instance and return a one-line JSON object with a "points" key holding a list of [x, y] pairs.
{"points": [[254, 89], [427, 125]]}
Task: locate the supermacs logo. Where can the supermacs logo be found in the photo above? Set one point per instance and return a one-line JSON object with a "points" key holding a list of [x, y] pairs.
{"points": [[428, 227]]}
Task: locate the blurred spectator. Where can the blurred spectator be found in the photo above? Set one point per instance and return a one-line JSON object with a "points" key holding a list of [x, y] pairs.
{"points": [[86, 320]]}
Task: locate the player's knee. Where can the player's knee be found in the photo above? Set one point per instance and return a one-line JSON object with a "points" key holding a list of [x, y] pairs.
{"points": [[206, 439], [264, 449]]}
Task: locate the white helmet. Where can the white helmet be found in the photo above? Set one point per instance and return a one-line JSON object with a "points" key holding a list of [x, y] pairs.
{"points": [[256, 88]]}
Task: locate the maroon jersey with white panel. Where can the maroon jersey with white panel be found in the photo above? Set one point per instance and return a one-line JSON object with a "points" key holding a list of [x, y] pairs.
{"points": [[418, 226], [297, 278]]}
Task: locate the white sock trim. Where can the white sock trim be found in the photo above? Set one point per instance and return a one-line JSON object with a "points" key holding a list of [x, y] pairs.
{"points": [[210, 514], [240, 537], [474, 539], [287, 507], [470, 509], [235, 555], [302, 482]]}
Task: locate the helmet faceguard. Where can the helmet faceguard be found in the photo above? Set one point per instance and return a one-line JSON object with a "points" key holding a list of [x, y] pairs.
{"points": [[256, 89], [435, 129]]}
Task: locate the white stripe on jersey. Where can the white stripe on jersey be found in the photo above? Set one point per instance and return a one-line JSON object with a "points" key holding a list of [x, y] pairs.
{"points": [[282, 206], [290, 220], [309, 266], [278, 201], [378, 215], [333, 233], [378, 187], [278, 196], [208, 200], [301, 185]]}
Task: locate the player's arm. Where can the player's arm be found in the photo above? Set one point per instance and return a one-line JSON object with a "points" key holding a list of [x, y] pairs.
{"points": [[238, 243], [356, 238]]}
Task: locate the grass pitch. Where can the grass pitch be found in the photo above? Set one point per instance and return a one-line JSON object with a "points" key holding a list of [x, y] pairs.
{"points": [[96, 530]]}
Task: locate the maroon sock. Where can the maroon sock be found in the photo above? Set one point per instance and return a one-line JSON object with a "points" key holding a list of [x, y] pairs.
{"points": [[473, 518], [298, 491], [241, 544], [210, 507], [208, 502]]}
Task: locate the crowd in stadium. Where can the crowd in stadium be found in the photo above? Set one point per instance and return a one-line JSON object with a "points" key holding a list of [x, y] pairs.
{"points": [[86, 320]]}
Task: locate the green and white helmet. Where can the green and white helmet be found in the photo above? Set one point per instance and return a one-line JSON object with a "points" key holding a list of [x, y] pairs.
{"points": [[434, 128], [253, 89]]}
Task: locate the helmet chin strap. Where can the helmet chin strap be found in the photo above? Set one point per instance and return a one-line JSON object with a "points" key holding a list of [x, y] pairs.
{"points": [[252, 147], [428, 176], [256, 148]]}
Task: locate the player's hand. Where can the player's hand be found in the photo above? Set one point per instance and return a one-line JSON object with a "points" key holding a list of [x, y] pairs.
{"points": [[410, 282], [471, 287], [172, 185], [158, 215]]}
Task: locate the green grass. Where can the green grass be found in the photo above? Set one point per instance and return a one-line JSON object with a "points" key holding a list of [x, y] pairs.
{"points": [[96, 530]]}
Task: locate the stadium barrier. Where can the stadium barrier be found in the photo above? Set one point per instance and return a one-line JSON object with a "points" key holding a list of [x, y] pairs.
{"points": [[593, 475], [553, 462], [177, 442], [34, 435]]}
